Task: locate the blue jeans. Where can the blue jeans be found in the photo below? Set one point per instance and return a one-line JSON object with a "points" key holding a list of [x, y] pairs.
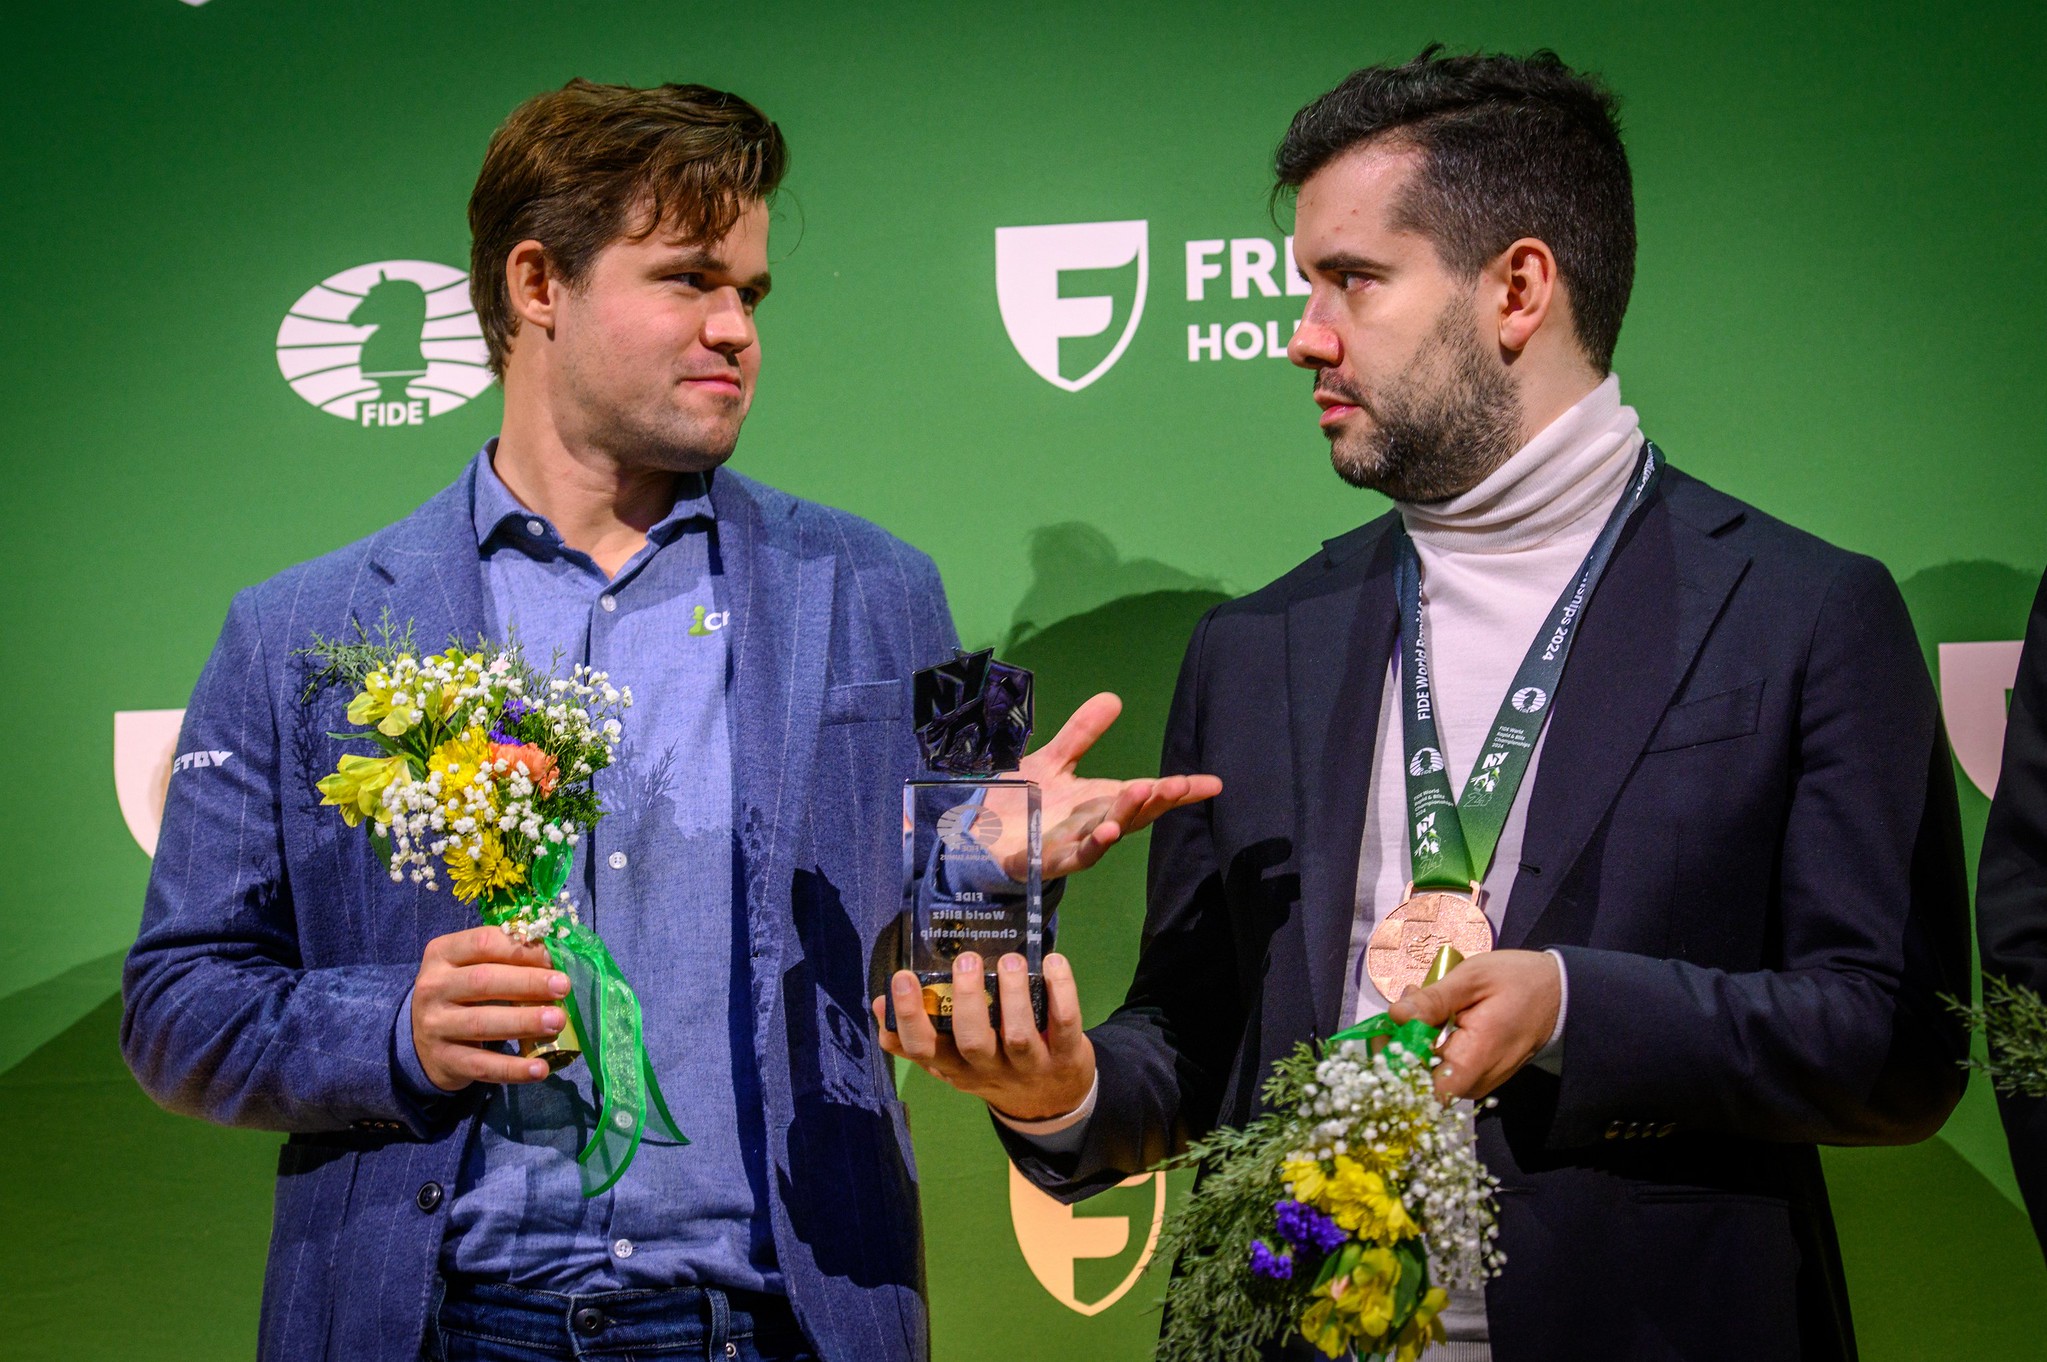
{"points": [[490, 1322]]}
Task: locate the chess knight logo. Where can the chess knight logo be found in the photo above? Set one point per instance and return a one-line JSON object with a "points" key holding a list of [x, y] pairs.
{"points": [[1039, 314], [386, 344]]}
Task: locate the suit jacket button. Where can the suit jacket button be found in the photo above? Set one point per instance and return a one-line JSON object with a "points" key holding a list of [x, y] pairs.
{"points": [[1663, 1131], [429, 1196], [1613, 1130]]}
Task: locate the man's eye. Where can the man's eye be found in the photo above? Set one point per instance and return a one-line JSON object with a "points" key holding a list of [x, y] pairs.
{"points": [[689, 280], [751, 297]]}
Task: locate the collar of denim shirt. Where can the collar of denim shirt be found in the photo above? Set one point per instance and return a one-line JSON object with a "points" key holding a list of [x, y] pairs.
{"points": [[500, 519]]}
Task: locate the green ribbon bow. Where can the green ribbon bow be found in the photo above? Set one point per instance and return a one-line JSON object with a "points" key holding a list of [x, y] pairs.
{"points": [[1417, 1039], [606, 1015]]}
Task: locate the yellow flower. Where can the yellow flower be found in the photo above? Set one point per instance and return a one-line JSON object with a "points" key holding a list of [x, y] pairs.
{"points": [[459, 759], [1306, 1178], [1425, 1330], [357, 787], [475, 877], [1354, 1311], [395, 703], [1360, 1202]]}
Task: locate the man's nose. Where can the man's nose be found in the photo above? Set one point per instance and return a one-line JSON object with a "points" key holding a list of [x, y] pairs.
{"points": [[1315, 346], [728, 326]]}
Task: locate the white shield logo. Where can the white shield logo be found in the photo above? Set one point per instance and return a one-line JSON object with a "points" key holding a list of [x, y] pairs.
{"points": [[1053, 1238], [1028, 263], [1975, 683], [145, 741]]}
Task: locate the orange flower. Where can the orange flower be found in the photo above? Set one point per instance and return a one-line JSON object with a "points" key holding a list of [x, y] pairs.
{"points": [[539, 767]]}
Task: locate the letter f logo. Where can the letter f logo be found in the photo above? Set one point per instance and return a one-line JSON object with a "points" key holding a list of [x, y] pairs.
{"points": [[1028, 263]]}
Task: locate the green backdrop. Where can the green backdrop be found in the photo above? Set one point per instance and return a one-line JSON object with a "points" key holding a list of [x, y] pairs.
{"points": [[1837, 209]]}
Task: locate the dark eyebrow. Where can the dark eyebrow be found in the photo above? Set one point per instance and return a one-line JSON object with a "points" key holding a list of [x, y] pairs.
{"points": [[701, 261], [1345, 260]]}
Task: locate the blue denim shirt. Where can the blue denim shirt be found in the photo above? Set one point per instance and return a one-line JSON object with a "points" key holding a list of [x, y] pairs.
{"points": [[656, 880]]}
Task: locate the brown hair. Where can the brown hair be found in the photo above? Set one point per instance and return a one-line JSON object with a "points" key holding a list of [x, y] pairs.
{"points": [[586, 165]]}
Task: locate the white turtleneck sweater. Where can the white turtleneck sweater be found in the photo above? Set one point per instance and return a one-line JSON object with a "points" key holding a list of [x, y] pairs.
{"points": [[1494, 561]]}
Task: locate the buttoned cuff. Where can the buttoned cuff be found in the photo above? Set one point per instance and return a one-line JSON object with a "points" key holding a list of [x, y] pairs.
{"points": [[1550, 1058], [1057, 1134]]}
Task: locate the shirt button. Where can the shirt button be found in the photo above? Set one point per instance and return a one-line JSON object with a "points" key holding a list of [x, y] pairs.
{"points": [[608, 601], [617, 860], [534, 527], [623, 1248], [429, 1196]]}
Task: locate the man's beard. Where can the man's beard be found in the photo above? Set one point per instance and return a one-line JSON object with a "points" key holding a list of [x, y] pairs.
{"points": [[642, 432], [674, 444], [1430, 443]]}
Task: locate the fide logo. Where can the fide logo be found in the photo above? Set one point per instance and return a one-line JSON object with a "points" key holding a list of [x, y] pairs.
{"points": [[969, 829], [391, 343], [1040, 311], [1530, 699], [1426, 762]]}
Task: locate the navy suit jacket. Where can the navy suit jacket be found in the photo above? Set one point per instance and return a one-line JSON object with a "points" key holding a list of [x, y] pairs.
{"points": [[2011, 891], [275, 952], [1742, 838]]}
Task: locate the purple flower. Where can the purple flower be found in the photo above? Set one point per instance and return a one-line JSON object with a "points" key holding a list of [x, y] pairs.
{"points": [[499, 735], [516, 708], [1304, 1225], [1278, 1267]]}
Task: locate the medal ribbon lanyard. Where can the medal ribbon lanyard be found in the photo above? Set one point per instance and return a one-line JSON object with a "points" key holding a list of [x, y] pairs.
{"points": [[1451, 841]]}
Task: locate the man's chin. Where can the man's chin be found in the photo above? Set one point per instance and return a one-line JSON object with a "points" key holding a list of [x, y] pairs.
{"points": [[693, 449]]}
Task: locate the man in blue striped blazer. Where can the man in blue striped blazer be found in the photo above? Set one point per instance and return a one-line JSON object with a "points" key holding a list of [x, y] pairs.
{"points": [[428, 1202]]}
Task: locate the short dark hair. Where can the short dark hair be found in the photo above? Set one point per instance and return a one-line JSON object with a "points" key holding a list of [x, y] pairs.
{"points": [[586, 165], [1511, 147]]}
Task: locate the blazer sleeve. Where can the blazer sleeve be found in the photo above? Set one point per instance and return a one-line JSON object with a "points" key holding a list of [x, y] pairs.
{"points": [[2011, 890], [1163, 1058], [1847, 1040], [221, 1019]]}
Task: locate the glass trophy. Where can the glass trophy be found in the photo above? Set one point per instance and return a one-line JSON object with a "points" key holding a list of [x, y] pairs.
{"points": [[972, 866]]}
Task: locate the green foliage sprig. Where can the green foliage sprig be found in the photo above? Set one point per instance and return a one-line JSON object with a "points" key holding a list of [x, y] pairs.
{"points": [[2013, 1020], [1208, 1243]]}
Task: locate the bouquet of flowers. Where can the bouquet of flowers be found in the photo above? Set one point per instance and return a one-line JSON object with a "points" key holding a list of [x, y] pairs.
{"points": [[1344, 1214], [484, 773]]}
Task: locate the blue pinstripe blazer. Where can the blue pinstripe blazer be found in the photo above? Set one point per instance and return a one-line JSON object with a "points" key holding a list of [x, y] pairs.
{"points": [[274, 952]]}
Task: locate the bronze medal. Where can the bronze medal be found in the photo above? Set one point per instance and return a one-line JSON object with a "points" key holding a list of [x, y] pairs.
{"points": [[1406, 942]]}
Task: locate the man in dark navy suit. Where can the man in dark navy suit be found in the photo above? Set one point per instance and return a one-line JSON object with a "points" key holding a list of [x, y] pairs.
{"points": [[2011, 891], [1721, 861]]}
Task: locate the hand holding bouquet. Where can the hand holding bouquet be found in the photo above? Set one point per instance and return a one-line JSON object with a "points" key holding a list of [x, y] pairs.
{"points": [[1343, 1214], [484, 773]]}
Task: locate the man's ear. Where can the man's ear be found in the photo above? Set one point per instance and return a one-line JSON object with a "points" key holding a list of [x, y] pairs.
{"points": [[1530, 293], [533, 285]]}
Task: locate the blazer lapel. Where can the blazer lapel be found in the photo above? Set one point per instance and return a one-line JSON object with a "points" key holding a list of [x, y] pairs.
{"points": [[781, 592], [1339, 637], [426, 571], [1657, 602]]}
